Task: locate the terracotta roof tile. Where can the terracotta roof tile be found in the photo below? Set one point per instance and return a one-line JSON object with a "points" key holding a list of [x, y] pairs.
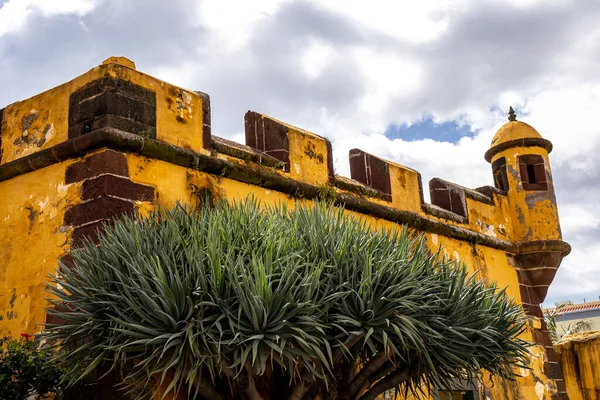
{"points": [[592, 305]]}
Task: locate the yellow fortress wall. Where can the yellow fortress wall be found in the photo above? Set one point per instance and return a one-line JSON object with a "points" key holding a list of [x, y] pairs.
{"points": [[115, 140], [579, 356]]}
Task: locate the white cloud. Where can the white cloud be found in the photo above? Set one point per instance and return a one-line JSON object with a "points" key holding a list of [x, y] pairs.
{"points": [[231, 21], [414, 21], [316, 56], [388, 76], [14, 13], [575, 217]]}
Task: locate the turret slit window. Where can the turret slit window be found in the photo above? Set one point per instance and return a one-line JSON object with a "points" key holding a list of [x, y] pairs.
{"points": [[499, 172], [533, 172]]}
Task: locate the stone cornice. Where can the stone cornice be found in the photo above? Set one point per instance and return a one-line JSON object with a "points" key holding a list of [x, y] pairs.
{"points": [[264, 176], [525, 142]]}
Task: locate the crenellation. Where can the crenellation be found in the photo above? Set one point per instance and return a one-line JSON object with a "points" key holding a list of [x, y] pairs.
{"points": [[403, 187], [404, 184], [448, 196], [370, 171], [307, 157]]}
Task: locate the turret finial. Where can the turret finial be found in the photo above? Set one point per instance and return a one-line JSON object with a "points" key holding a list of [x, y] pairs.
{"points": [[511, 114]]}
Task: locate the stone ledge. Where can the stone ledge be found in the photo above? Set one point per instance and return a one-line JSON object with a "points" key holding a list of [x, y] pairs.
{"points": [[242, 152], [539, 246], [525, 142], [356, 187], [256, 175]]}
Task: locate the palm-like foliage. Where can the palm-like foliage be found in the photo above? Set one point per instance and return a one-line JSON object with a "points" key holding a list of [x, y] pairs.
{"points": [[243, 301], [579, 326]]}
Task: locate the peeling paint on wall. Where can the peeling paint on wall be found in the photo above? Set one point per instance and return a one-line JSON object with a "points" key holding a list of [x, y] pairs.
{"points": [[36, 131]]}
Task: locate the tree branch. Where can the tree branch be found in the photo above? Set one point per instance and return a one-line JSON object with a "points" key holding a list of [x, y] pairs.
{"points": [[300, 389], [307, 379], [348, 369], [252, 392], [391, 381], [362, 377], [339, 351], [208, 390], [386, 369], [361, 390]]}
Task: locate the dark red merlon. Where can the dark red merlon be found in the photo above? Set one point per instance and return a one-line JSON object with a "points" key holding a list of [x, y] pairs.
{"points": [[448, 197], [268, 136], [206, 120], [370, 170]]}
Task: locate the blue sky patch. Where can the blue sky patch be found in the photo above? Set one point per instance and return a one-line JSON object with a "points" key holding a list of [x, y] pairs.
{"points": [[448, 131]]}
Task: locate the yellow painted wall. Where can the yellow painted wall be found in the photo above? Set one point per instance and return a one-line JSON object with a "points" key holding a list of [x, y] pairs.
{"points": [[32, 238], [176, 183], [579, 356]]}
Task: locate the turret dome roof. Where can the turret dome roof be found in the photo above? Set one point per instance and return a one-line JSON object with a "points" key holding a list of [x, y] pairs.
{"points": [[516, 133], [514, 130]]}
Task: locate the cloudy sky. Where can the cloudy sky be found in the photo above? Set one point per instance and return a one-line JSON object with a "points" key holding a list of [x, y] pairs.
{"points": [[424, 83]]}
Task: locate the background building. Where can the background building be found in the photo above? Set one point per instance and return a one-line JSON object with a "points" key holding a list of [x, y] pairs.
{"points": [[568, 315]]}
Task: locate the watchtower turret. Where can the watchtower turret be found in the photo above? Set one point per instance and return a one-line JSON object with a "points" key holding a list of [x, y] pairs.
{"points": [[521, 168]]}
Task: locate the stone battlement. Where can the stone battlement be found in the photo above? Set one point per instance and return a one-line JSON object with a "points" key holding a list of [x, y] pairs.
{"points": [[115, 106]]}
